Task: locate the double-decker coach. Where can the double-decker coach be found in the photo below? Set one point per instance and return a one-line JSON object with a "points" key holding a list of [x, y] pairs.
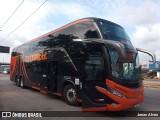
{"points": [[90, 60]]}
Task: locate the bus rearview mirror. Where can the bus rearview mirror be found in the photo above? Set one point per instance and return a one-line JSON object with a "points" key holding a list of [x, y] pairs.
{"points": [[149, 53]]}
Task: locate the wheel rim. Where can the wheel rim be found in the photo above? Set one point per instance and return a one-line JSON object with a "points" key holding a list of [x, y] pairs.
{"points": [[21, 83], [71, 95], [17, 81]]}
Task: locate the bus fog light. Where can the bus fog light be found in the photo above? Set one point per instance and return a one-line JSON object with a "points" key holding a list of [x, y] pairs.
{"points": [[111, 90]]}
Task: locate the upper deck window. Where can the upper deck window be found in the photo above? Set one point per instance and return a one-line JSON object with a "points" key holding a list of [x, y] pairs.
{"points": [[85, 30], [115, 32], [81, 30]]}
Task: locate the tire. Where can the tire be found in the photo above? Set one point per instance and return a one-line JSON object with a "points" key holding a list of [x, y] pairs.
{"points": [[70, 95], [17, 81], [22, 84]]}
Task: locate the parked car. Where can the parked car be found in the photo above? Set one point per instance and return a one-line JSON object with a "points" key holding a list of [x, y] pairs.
{"points": [[6, 71]]}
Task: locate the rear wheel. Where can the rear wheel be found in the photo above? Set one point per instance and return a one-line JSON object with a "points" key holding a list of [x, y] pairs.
{"points": [[22, 84], [70, 95], [17, 81]]}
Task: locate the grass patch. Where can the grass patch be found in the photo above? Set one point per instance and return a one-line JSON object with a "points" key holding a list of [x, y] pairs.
{"points": [[151, 85]]}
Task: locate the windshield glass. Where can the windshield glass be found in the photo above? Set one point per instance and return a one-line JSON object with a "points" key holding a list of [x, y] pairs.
{"points": [[115, 32], [128, 70]]}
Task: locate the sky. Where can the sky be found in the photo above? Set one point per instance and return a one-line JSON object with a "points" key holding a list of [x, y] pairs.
{"points": [[140, 19]]}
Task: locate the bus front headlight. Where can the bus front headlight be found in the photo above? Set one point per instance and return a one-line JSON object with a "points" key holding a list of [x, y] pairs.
{"points": [[111, 90]]}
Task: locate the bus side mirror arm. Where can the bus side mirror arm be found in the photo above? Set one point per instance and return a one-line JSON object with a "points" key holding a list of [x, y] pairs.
{"points": [[119, 47], [149, 53]]}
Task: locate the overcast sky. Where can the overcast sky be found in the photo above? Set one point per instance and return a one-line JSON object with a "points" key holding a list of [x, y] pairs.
{"points": [[140, 19]]}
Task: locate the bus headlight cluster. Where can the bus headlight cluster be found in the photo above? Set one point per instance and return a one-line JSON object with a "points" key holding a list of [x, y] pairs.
{"points": [[111, 90]]}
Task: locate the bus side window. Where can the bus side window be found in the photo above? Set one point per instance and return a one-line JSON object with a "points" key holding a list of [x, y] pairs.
{"points": [[94, 68], [27, 49], [85, 30], [45, 43]]}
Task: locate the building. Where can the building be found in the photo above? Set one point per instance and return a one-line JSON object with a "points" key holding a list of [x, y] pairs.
{"points": [[150, 70]]}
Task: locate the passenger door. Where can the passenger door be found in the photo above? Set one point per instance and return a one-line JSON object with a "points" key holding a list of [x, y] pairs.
{"points": [[93, 77], [49, 74], [52, 77]]}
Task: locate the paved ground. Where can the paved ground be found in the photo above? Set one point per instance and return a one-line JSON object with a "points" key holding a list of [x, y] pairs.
{"points": [[13, 98]]}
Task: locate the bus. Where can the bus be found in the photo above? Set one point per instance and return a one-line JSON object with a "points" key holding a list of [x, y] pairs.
{"points": [[90, 61]]}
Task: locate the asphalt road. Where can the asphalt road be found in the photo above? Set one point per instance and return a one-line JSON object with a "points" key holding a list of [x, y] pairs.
{"points": [[13, 98]]}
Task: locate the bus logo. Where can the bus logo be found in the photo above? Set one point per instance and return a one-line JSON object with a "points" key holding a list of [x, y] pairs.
{"points": [[36, 57], [6, 114]]}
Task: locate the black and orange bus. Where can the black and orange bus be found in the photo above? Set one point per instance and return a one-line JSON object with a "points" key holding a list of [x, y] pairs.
{"points": [[90, 60]]}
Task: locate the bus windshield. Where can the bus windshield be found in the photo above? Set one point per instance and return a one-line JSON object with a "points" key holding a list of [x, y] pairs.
{"points": [[115, 32], [126, 70]]}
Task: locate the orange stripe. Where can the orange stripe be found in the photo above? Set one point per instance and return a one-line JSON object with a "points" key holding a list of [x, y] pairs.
{"points": [[25, 73], [128, 92], [58, 94], [44, 92], [102, 90], [14, 65], [124, 106], [23, 70], [132, 97], [36, 88]]}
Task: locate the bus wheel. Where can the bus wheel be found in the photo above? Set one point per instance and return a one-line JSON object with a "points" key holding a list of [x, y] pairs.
{"points": [[70, 95], [22, 84], [17, 82]]}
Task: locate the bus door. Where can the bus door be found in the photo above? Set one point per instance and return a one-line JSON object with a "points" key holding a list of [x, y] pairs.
{"points": [[93, 77], [49, 80], [44, 80], [52, 77]]}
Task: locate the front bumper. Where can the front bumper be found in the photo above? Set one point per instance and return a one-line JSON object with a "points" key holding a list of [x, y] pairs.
{"points": [[132, 97]]}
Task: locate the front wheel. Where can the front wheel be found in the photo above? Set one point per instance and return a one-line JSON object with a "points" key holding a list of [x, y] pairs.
{"points": [[70, 95]]}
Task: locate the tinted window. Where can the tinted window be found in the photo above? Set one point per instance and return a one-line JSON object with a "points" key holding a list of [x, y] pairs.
{"points": [[27, 48], [82, 30], [94, 68], [38, 68], [94, 63], [112, 31], [85, 30], [63, 37], [115, 32], [34, 46], [46, 42], [76, 49]]}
